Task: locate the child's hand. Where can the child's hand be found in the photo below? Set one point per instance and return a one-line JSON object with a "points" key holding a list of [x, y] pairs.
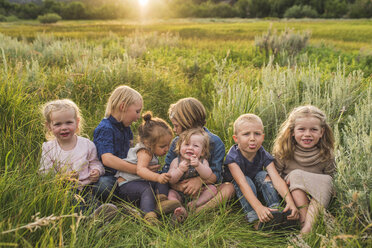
{"points": [[164, 178], [194, 161], [183, 166], [264, 213], [294, 212], [94, 175]]}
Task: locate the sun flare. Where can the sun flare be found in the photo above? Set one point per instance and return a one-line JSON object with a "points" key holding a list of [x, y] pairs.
{"points": [[143, 2]]}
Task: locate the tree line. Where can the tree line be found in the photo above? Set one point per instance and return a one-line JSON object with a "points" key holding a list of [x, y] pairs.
{"points": [[113, 9]]}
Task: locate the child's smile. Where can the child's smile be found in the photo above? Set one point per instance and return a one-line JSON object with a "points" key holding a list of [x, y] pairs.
{"points": [[63, 125], [307, 132]]}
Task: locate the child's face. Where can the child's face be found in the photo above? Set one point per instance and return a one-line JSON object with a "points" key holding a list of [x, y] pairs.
{"points": [[63, 125], [307, 131], [162, 147], [177, 129], [132, 114], [193, 147], [249, 137]]}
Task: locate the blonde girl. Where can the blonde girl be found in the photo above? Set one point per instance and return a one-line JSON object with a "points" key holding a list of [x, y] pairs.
{"points": [[146, 186], [193, 150], [67, 153], [304, 156], [190, 113], [113, 136]]}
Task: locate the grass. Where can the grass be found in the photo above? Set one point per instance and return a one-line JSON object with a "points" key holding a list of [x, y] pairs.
{"points": [[213, 60]]}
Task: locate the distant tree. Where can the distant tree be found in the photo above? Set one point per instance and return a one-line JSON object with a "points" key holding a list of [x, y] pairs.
{"points": [[300, 12], [51, 6], [335, 8], [29, 11], [49, 18], [73, 11], [361, 9]]}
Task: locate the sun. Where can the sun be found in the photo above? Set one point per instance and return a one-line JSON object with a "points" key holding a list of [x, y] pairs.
{"points": [[143, 2]]}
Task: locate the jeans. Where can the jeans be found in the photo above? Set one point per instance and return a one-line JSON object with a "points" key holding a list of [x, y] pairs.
{"points": [[142, 192], [259, 184], [104, 186]]}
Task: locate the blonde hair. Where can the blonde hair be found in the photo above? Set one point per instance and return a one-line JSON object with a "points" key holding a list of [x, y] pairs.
{"points": [[186, 136], [284, 143], [188, 113], [152, 129], [60, 105], [122, 95], [246, 118]]}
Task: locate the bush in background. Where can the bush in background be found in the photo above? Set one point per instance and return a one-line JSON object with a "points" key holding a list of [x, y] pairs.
{"points": [[304, 11], [49, 18]]}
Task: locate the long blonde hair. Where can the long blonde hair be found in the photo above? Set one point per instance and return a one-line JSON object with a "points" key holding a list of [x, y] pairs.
{"points": [[152, 129], [60, 105], [284, 143], [188, 113], [122, 95]]}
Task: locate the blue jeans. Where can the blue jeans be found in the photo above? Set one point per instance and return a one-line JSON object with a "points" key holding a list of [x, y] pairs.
{"points": [[104, 186], [267, 189]]}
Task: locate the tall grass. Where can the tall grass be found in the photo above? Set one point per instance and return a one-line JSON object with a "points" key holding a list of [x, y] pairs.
{"points": [[164, 68]]}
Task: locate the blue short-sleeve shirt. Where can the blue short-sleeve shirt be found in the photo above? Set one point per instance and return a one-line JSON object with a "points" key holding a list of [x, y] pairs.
{"points": [[216, 150], [111, 136], [250, 169]]}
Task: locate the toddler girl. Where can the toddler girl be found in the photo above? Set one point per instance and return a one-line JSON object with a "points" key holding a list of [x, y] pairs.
{"points": [[113, 136], [193, 150], [67, 153], [155, 136], [304, 157]]}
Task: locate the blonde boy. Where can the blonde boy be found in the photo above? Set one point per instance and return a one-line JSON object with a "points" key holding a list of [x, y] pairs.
{"points": [[245, 164]]}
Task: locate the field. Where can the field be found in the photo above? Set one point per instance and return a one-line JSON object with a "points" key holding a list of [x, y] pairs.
{"points": [[214, 60]]}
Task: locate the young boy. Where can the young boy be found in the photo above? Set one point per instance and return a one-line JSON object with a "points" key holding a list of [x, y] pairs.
{"points": [[244, 166]]}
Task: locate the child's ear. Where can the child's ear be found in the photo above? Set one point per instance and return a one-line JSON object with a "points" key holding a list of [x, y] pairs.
{"points": [[322, 132], [47, 125], [235, 138], [121, 107], [77, 123]]}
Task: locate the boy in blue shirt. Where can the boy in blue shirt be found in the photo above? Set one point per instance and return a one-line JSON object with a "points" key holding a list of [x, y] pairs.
{"points": [[244, 166]]}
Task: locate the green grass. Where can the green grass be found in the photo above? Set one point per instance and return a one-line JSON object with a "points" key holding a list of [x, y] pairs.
{"points": [[213, 60]]}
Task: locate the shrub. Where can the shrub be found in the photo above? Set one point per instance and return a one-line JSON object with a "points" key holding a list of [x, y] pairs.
{"points": [[287, 42], [12, 18], [2, 18], [300, 12], [49, 18]]}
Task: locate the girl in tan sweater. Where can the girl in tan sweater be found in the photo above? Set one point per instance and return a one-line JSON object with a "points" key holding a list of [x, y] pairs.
{"points": [[304, 157]]}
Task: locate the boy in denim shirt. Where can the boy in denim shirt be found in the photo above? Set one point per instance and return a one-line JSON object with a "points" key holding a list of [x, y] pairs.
{"points": [[244, 166]]}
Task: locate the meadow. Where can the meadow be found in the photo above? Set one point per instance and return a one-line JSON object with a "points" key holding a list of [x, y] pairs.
{"points": [[214, 60]]}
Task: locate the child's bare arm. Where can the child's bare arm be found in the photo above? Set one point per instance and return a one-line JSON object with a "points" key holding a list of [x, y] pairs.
{"points": [[263, 213], [112, 161], [176, 171], [143, 170], [281, 186], [205, 172]]}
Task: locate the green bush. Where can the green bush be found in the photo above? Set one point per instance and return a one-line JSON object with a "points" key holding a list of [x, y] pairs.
{"points": [[287, 43], [2, 18], [49, 18], [301, 12], [12, 18]]}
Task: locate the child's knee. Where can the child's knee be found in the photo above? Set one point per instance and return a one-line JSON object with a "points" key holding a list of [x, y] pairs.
{"points": [[211, 188]]}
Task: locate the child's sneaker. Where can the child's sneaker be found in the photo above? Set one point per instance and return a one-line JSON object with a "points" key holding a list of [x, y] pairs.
{"points": [[151, 218], [106, 212]]}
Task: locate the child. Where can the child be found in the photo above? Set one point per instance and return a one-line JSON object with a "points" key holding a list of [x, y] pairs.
{"points": [[69, 154], [113, 136], [190, 113], [304, 156], [246, 161], [155, 136], [193, 150]]}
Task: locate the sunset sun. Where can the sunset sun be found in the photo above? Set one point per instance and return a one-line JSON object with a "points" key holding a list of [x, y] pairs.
{"points": [[143, 2]]}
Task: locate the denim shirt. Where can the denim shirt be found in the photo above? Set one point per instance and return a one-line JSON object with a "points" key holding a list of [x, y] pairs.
{"points": [[111, 136], [216, 150]]}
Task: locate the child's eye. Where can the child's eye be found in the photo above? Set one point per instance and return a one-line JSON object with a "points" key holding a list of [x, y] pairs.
{"points": [[257, 134]]}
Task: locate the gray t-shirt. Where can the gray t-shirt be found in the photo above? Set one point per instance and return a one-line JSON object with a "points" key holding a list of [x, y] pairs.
{"points": [[133, 159]]}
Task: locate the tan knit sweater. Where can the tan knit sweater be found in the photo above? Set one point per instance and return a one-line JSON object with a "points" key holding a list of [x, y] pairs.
{"points": [[308, 160]]}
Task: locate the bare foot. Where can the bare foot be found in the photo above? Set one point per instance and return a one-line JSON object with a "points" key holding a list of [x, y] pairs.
{"points": [[180, 214], [191, 206]]}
